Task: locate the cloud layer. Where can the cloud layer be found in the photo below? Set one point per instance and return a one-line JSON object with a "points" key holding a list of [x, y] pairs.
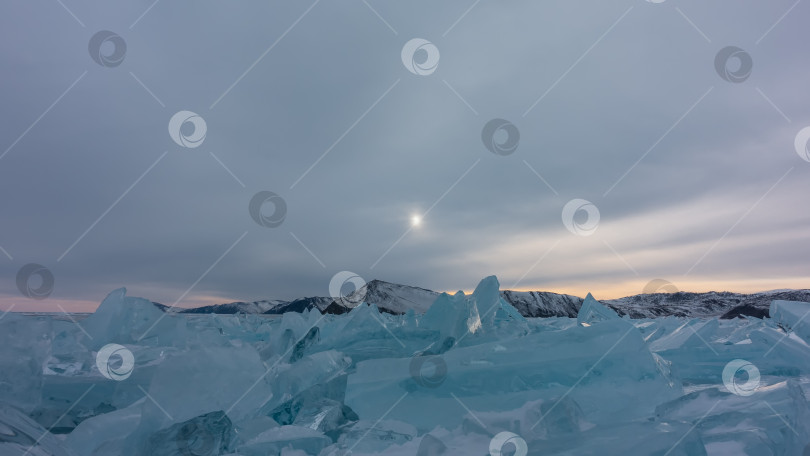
{"points": [[695, 177]]}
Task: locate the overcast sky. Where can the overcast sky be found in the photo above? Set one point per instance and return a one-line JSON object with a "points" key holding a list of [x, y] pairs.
{"points": [[640, 109]]}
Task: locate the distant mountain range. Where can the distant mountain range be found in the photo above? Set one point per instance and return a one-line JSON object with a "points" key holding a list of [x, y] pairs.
{"points": [[398, 299]]}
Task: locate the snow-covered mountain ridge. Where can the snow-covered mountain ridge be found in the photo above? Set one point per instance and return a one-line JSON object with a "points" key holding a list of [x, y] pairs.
{"points": [[398, 299]]}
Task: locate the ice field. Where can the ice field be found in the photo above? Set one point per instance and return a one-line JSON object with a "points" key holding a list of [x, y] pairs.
{"points": [[470, 376]]}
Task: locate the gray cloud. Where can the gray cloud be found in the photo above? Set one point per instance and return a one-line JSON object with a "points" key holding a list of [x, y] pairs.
{"points": [[615, 82]]}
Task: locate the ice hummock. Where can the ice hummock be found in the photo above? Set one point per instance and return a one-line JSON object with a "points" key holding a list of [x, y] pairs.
{"points": [[592, 311], [792, 316], [465, 376]]}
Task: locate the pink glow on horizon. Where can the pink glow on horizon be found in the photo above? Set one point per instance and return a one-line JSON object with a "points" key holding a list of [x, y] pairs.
{"points": [[600, 290]]}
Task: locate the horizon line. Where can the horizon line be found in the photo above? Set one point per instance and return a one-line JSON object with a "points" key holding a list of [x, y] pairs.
{"points": [[15, 304]]}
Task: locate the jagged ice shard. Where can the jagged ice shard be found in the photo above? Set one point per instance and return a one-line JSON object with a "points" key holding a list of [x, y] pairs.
{"points": [[466, 375]]}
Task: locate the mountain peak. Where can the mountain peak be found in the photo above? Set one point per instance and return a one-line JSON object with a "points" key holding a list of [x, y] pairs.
{"points": [[394, 298]]}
